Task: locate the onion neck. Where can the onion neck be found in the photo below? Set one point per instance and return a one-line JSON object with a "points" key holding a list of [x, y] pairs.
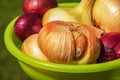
{"points": [[84, 10]]}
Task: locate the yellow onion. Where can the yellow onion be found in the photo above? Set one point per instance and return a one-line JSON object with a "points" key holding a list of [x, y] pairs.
{"points": [[81, 13], [106, 15], [31, 48], [69, 42]]}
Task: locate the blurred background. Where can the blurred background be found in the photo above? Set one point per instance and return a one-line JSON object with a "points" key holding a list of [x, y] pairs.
{"points": [[9, 67]]}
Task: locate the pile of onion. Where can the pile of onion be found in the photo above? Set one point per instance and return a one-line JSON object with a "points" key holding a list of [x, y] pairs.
{"points": [[66, 42], [30, 22], [73, 35], [104, 14]]}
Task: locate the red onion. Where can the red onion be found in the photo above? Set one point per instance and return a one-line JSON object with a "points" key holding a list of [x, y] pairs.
{"points": [[27, 24], [38, 6], [110, 47]]}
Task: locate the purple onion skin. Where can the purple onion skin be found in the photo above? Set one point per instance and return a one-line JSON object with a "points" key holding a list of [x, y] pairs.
{"points": [[26, 25], [38, 6], [110, 47]]}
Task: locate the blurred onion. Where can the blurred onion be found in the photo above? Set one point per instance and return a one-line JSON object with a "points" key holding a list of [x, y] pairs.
{"points": [[31, 48], [38, 6], [27, 24]]}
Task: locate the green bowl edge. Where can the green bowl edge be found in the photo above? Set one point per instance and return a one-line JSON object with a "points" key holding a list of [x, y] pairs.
{"points": [[10, 45]]}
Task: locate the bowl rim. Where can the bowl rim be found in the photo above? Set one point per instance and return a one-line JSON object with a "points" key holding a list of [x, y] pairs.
{"points": [[67, 68]]}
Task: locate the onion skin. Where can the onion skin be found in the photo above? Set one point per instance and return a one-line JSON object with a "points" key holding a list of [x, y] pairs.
{"points": [[106, 15], [68, 42], [38, 6], [93, 47], [53, 15], [56, 42], [31, 48]]}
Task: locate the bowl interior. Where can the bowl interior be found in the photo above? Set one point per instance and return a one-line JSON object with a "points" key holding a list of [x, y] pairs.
{"points": [[13, 45]]}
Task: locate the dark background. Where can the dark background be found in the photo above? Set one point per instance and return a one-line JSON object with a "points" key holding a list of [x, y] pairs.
{"points": [[9, 67]]}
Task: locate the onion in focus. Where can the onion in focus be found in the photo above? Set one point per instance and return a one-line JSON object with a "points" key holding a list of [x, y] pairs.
{"points": [[68, 42]]}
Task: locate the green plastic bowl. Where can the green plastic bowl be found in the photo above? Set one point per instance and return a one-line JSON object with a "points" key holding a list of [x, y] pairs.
{"points": [[40, 70]]}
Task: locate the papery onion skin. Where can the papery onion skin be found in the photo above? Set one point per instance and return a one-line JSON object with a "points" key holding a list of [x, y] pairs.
{"points": [[93, 44], [106, 15], [27, 24], [31, 48], [38, 6], [68, 42], [57, 43]]}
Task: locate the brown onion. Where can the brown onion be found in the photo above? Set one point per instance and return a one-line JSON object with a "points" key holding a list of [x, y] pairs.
{"points": [[66, 42]]}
